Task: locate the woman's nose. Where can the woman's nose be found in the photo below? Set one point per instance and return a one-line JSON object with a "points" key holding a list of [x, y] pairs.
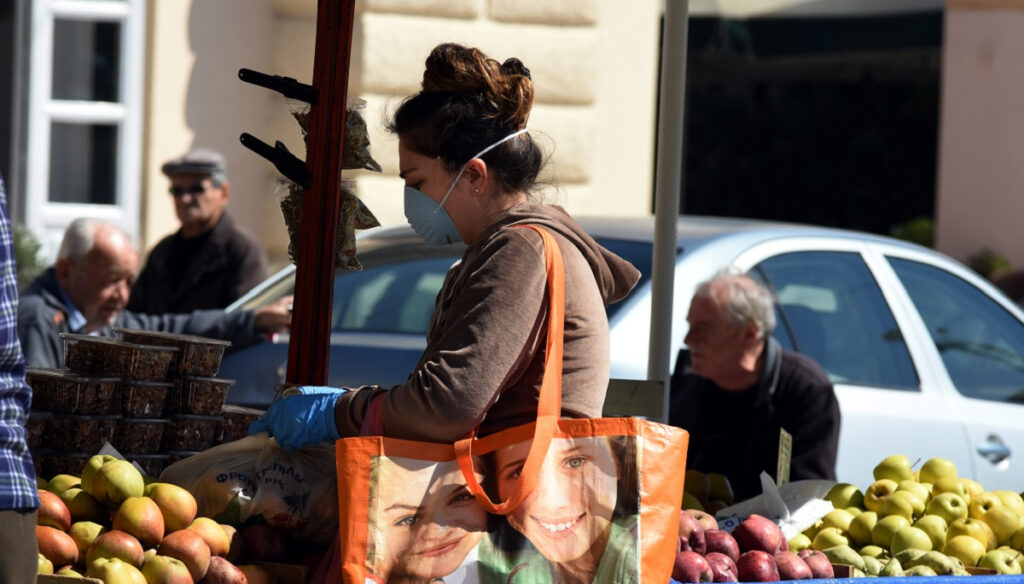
{"points": [[550, 492]]}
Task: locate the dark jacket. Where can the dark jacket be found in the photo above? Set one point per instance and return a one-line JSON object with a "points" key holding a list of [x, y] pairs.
{"points": [[737, 433], [228, 265], [42, 316]]}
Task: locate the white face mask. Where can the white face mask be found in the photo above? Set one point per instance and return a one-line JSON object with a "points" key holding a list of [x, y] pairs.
{"points": [[433, 223]]}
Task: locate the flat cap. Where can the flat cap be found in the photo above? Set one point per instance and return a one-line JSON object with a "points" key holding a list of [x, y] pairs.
{"points": [[197, 161]]}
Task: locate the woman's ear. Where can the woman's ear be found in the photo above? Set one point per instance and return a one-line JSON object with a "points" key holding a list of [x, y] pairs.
{"points": [[476, 174]]}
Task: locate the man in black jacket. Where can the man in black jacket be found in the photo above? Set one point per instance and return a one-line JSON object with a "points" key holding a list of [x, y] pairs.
{"points": [[210, 261], [740, 388], [85, 292]]}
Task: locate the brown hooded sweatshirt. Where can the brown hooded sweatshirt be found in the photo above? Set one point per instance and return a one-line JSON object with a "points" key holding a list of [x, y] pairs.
{"points": [[485, 347]]}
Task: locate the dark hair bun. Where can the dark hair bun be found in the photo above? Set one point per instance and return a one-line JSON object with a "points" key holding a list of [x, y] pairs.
{"points": [[504, 89]]}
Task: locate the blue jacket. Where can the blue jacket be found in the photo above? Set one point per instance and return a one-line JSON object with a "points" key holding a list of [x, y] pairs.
{"points": [[43, 315]]}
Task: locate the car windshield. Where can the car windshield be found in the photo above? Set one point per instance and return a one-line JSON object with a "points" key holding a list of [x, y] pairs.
{"points": [[395, 290]]}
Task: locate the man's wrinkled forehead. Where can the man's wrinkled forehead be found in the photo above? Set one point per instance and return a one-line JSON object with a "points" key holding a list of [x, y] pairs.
{"points": [[112, 255]]}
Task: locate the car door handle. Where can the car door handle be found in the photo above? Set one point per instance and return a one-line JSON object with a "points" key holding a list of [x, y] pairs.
{"points": [[993, 449]]}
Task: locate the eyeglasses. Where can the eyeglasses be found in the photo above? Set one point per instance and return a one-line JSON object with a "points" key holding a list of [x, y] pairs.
{"points": [[196, 189]]}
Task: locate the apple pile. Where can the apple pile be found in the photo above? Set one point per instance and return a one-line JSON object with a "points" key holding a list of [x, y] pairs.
{"points": [[114, 525], [755, 551], [919, 522]]}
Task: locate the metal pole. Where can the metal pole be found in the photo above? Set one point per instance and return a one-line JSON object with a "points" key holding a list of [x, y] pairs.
{"points": [[667, 191]]}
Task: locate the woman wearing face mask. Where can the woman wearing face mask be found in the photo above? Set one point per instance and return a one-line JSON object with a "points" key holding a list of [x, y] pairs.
{"points": [[470, 165]]}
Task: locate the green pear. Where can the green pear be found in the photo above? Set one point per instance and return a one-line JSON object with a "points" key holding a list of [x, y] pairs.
{"points": [[892, 569]]}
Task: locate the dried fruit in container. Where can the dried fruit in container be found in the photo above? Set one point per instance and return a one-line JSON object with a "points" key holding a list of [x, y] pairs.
{"points": [[235, 421], [86, 395], [45, 382], [197, 355], [139, 435], [190, 432], [144, 399], [199, 395], [82, 433]]}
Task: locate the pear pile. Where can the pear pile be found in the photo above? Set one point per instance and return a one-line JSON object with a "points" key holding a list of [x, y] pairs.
{"points": [[928, 521], [114, 524]]}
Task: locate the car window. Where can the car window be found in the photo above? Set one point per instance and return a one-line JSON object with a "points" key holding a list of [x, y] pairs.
{"points": [[981, 344], [635, 252], [389, 298], [830, 308]]}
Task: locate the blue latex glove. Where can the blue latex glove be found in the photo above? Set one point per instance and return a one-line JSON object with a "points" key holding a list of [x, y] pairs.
{"points": [[315, 389], [303, 419]]}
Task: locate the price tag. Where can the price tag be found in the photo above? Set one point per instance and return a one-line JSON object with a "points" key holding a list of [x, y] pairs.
{"points": [[785, 457]]}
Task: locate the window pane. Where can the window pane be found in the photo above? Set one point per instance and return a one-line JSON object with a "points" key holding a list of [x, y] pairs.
{"points": [[982, 345], [831, 309], [86, 60], [636, 253], [83, 163], [389, 298]]}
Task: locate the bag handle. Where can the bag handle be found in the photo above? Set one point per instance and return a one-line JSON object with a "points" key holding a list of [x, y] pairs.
{"points": [[549, 404]]}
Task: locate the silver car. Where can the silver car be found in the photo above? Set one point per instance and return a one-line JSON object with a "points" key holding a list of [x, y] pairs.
{"points": [[927, 358]]}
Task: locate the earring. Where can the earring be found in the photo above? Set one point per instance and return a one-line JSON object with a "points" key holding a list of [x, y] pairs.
{"points": [[476, 190]]}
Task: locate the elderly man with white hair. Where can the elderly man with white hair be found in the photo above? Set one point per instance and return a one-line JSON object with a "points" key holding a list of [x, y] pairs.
{"points": [[88, 287], [741, 389]]}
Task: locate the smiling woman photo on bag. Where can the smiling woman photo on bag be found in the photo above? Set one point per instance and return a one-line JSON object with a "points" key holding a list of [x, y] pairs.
{"points": [[423, 521], [581, 516]]}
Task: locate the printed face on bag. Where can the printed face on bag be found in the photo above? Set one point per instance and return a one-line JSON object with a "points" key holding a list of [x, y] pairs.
{"points": [[568, 515], [424, 522]]}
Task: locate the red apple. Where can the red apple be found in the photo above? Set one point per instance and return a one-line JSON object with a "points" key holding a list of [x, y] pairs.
{"points": [[722, 542], [757, 532], [722, 567], [691, 567], [757, 566], [56, 546], [792, 566], [707, 520], [189, 547], [53, 512], [116, 544], [223, 572], [691, 534], [818, 562]]}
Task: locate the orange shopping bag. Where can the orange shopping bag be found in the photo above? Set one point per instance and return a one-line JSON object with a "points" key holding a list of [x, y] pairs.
{"points": [[555, 500]]}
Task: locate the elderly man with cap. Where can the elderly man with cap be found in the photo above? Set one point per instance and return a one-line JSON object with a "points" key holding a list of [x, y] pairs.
{"points": [[210, 261]]}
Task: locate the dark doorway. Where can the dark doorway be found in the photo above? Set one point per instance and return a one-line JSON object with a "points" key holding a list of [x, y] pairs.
{"points": [[828, 121]]}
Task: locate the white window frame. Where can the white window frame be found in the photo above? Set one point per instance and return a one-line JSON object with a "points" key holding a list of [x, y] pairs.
{"points": [[48, 219]]}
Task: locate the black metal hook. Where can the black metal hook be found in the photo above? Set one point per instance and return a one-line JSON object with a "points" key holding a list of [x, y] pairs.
{"points": [[284, 85], [291, 166]]}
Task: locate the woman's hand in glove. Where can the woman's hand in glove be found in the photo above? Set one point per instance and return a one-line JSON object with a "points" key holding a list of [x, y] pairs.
{"points": [[301, 419]]}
